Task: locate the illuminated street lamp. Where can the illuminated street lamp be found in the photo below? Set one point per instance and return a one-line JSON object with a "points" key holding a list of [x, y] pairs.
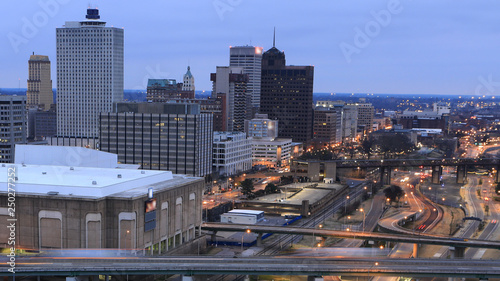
{"points": [[243, 235], [363, 211], [205, 203], [345, 207], [314, 230]]}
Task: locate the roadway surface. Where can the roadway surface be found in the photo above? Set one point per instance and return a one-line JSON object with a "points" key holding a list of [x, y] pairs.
{"points": [[310, 266], [399, 238], [371, 221]]}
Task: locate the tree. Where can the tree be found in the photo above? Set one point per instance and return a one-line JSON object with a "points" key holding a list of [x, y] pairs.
{"points": [[270, 188], [247, 188], [366, 146], [394, 192], [396, 143]]}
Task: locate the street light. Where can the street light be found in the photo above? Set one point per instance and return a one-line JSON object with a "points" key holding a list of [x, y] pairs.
{"points": [[345, 207], [363, 211], [314, 230], [206, 210], [243, 235]]}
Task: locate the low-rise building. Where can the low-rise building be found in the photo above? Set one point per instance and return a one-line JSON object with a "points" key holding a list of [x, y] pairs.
{"points": [[273, 153], [261, 127], [77, 198], [232, 153]]}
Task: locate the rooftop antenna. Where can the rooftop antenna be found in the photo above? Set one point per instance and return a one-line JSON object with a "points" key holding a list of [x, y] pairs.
{"points": [[274, 37]]}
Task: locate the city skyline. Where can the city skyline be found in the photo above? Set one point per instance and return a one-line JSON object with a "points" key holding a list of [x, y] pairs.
{"points": [[408, 47]]}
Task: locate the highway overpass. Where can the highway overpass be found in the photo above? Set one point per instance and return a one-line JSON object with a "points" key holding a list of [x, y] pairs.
{"points": [[377, 236], [313, 168], [284, 265]]}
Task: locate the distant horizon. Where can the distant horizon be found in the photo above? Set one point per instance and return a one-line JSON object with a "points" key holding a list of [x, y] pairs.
{"points": [[314, 93]]}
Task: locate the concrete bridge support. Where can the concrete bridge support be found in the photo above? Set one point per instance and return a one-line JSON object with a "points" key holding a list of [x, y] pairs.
{"points": [[497, 178], [315, 278], [461, 174], [331, 170], [313, 171], [457, 252], [385, 175], [213, 237], [437, 172], [84, 278], [259, 240], [192, 278], [415, 251]]}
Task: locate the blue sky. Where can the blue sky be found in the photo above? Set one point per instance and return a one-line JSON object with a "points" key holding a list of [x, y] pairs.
{"points": [[386, 46]]}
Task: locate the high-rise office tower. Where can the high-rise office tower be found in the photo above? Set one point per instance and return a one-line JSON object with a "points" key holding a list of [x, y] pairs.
{"points": [[250, 59], [89, 74], [13, 121], [39, 94], [231, 82], [287, 95]]}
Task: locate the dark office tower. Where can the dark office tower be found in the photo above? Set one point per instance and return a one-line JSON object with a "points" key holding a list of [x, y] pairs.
{"points": [[287, 96]]}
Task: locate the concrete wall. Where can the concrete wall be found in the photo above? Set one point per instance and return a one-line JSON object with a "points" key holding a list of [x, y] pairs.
{"points": [[82, 220]]}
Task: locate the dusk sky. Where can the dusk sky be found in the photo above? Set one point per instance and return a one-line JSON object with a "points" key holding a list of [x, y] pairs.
{"points": [[386, 46]]}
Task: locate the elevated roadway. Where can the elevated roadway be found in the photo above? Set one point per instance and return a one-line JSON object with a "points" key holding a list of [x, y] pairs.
{"points": [[209, 265], [419, 239]]}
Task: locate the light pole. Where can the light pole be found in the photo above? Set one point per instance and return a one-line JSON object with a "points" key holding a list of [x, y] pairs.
{"points": [[314, 240], [243, 235], [345, 207], [363, 210], [206, 210]]}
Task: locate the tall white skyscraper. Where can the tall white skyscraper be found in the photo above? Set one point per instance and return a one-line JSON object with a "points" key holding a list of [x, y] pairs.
{"points": [[89, 74], [250, 59]]}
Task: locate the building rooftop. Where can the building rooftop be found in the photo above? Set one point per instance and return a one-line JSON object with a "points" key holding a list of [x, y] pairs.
{"points": [[162, 82], [85, 182], [64, 156], [39, 58]]}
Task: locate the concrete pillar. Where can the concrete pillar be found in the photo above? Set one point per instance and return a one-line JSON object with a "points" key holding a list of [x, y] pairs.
{"points": [[437, 172], [193, 277], [331, 170], [304, 209], [459, 252], [461, 174], [313, 171], [77, 278], [497, 178], [213, 237], [415, 250], [259, 240], [315, 278], [385, 175]]}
